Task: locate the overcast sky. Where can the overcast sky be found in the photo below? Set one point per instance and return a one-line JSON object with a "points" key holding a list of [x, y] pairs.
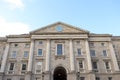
{"points": [[23, 16]]}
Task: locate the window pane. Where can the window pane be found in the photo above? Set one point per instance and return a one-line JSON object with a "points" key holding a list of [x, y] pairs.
{"points": [[39, 52], [109, 78], [11, 66], [80, 64], [26, 54], [59, 49], [97, 78], [107, 65], [92, 53], [94, 64], [104, 53], [79, 51], [14, 54], [24, 66], [82, 78]]}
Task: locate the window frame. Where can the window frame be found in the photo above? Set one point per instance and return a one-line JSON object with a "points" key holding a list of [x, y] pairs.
{"points": [[62, 49], [22, 66], [92, 52], [14, 54], [10, 66], [38, 63], [104, 53], [26, 53], [79, 64], [79, 52], [41, 52], [96, 65], [109, 65]]}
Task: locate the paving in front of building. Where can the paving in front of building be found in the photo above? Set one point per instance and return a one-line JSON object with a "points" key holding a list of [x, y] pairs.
{"points": [[60, 51]]}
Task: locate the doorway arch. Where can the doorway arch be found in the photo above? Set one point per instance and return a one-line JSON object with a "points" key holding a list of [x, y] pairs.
{"points": [[60, 74]]}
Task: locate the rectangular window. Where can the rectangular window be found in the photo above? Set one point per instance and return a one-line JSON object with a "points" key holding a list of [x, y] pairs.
{"points": [[102, 44], [59, 49], [40, 42], [22, 79], [92, 53], [97, 78], [11, 68], [0, 66], [25, 54], [9, 79], [91, 44], [38, 67], [94, 65], [39, 52], [107, 65], [24, 66], [79, 51], [13, 55], [109, 78], [27, 45], [15, 45], [81, 64], [104, 53], [82, 78], [119, 64]]}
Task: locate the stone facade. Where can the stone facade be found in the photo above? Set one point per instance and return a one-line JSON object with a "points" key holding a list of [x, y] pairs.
{"points": [[60, 52]]}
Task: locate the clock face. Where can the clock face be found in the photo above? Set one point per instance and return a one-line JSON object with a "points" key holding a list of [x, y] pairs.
{"points": [[59, 28]]}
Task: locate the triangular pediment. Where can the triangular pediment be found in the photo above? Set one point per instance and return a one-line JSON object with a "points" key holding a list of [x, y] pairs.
{"points": [[59, 27]]}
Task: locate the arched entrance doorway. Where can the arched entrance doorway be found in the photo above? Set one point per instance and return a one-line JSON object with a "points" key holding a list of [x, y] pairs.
{"points": [[60, 74]]}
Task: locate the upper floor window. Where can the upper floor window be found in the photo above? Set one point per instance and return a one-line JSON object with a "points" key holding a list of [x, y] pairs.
{"points": [[59, 49], [92, 53], [107, 65], [15, 45], [104, 53], [27, 45], [119, 64], [102, 44], [26, 54], [14, 54], [78, 42], [82, 78], [24, 66], [38, 67], [113, 46], [40, 42], [11, 66], [109, 78], [81, 64], [40, 52], [0, 66], [91, 44], [94, 65], [97, 78], [79, 51], [22, 79]]}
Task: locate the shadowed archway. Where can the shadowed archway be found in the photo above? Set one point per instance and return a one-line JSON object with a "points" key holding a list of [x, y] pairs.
{"points": [[60, 74]]}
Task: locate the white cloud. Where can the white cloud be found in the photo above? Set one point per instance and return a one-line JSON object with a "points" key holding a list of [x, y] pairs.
{"points": [[8, 28], [15, 3]]}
